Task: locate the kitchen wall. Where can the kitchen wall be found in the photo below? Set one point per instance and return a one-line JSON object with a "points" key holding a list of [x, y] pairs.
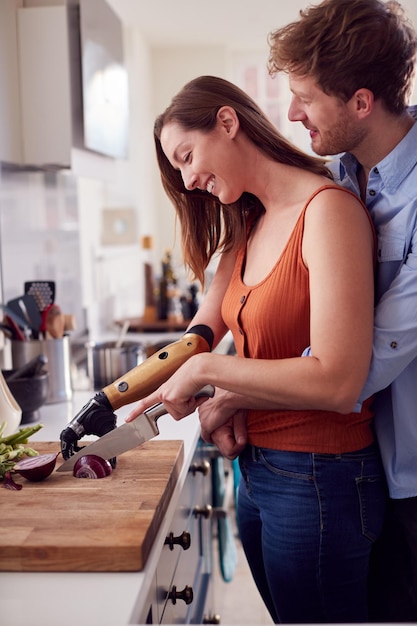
{"points": [[40, 234], [52, 224], [171, 69], [113, 274]]}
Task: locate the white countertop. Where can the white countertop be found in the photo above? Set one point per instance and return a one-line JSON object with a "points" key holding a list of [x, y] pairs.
{"points": [[105, 599]]}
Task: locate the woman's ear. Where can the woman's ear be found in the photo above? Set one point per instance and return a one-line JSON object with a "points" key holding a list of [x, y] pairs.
{"points": [[228, 119]]}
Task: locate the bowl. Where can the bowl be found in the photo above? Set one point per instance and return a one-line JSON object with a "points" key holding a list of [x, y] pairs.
{"points": [[30, 394]]}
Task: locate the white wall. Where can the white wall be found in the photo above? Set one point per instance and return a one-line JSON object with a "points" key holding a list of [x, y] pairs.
{"points": [[171, 69], [113, 276]]}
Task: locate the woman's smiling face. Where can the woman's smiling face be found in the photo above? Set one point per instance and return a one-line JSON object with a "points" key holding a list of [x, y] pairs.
{"points": [[207, 160]]}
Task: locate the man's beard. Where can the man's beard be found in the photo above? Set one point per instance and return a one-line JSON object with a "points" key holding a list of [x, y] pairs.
{"points": [[342, 137]]}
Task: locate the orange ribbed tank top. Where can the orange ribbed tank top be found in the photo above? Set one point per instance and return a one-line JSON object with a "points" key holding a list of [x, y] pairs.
{"points": [[271, 320]]}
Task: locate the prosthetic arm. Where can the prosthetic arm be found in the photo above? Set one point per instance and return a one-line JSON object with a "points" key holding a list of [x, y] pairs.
{"points": [[97, 417]]}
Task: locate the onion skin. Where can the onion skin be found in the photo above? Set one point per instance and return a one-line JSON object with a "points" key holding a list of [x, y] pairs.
{"points": [[37, 468], [8, 482], [92, 466]]}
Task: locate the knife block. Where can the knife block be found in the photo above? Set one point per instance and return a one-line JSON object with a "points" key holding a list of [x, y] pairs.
{"points": [[57, 351]]}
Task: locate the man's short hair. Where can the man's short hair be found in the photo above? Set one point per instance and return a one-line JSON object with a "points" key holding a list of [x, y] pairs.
{"points": [[346, 45]]}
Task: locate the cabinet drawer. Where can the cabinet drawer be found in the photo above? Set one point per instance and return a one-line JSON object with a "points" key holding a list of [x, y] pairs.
{"points": [[180, 524], [181, 575], [195, 494], [192, 576], [184, 568]]}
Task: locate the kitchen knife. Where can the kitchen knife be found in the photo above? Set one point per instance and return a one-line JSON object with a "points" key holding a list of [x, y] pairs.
{"points": [[129, 435]]}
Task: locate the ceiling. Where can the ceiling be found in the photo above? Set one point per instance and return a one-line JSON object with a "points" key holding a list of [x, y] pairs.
{"points": [[233, 23], [236, 23]]}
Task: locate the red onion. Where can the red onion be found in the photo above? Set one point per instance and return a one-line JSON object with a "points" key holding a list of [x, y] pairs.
{"points": [[92, 466], [37, 468], [8, 482]]}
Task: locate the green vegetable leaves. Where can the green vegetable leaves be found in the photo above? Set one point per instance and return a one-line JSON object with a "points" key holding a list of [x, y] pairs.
{"points": [[13, 447]]}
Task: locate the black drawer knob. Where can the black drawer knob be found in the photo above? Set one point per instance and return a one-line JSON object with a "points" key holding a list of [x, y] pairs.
{"points": [[186, 595], [183, 540]]}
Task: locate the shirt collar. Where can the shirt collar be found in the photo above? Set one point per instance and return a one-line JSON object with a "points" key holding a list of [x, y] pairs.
{"points": [[395, 167]]}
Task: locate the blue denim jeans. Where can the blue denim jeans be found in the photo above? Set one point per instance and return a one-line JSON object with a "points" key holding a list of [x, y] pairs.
{"points": [[307, 523]]}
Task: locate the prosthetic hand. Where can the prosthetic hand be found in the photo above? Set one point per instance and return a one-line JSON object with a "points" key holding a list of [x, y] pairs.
{"points": [[97, 417]]}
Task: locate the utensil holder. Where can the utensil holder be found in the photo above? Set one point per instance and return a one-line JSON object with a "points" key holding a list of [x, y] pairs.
{"points": [[58, 353]]}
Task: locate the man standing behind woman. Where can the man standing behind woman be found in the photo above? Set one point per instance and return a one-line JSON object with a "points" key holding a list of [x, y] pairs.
{"points": [[350, 66], [295, 269]]}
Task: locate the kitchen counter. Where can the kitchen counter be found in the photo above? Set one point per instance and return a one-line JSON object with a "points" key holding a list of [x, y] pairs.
{"points": [[113, 599]]}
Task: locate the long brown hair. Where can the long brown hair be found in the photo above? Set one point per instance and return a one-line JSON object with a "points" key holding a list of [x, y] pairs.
{"points": [[346, 45], [207, 226]]}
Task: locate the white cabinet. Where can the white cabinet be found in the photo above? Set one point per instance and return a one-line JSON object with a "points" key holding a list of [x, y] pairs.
{"points": [[10, 126], [47, 54], [49, 84], [181, 588], [40, 84]]}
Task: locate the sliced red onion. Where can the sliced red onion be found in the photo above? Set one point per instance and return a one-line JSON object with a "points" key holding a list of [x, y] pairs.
{"points": [[37, 468], [92, 466], [8, 482]]}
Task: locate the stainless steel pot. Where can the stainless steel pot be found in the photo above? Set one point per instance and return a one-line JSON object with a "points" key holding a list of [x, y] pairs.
{"points": [[108, 362]]}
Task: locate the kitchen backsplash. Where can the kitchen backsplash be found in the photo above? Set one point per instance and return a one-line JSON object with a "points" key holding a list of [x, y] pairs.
{"points": [[42, 237], [39, 235]]}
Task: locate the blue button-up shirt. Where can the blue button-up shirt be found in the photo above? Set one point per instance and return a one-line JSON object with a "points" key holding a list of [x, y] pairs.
{"points": [[391, 198]]}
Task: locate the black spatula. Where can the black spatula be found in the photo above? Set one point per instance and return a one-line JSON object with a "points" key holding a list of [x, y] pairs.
{"points": [[43, 291]]}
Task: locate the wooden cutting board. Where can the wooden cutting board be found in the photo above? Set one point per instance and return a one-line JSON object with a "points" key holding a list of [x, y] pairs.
{"points": [[67, 524]]}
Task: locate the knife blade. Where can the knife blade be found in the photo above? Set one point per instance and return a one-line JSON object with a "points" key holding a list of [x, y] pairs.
{"points": [[129, 435]]}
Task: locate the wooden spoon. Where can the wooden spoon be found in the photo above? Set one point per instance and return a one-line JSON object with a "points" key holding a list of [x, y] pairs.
{"points": [[55, 322]]}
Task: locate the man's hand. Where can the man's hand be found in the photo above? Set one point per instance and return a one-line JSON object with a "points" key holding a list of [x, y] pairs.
{"points": [[231, 437], [223, 423]]}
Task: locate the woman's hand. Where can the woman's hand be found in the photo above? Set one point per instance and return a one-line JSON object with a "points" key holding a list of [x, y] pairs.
{"points": [[177, 393]]}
